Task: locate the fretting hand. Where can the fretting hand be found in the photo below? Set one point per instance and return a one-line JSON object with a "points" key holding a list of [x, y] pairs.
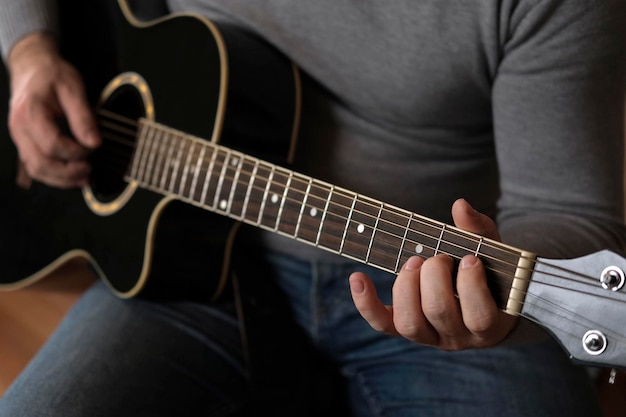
{"points": [[426, 307]]}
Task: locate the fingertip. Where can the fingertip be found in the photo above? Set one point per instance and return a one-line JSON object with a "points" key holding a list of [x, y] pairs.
{"points": [[468, 261], [467, 208], [91, 139], [413, 263], [357, 285]]}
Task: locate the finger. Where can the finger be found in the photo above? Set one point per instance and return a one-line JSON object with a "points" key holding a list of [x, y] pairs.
{"points": [[481, 315], [82, 123], [409, 319], [57, 173], [34, 124], [439, 302], [371, 308], [49, 170], [467, 218]]}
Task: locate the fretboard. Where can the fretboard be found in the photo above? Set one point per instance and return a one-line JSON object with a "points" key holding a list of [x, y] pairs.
{"points": [[256, 192]]}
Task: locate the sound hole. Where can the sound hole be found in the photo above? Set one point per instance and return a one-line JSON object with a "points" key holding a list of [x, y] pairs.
{"points": [[117, 120]]}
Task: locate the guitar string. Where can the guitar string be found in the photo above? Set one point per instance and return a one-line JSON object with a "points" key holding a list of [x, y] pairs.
{"points": [[542, 303], [450, 230], [541, 299], [435, 225], [454, 232]]}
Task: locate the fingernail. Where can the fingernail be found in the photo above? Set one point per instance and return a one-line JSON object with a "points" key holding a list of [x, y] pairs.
{"points": [[414, 262], [468, 261], [357, 286]]}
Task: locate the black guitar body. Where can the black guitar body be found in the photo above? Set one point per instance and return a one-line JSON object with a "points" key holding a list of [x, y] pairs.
{"points": [[213, 81]]}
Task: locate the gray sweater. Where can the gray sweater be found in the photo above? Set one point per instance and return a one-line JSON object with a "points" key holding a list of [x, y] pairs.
{"points": [[515, 105]]}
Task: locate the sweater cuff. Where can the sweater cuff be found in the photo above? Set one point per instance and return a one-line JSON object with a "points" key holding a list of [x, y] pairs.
{"points": [[19, 18]]}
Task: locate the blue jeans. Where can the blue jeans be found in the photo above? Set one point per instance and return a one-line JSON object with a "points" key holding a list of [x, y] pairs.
{"points": [[112, 357]]}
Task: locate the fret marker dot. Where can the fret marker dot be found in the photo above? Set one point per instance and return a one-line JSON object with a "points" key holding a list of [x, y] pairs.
{"points": [[234, 161], [274, 198], [223, 204], [419, 248], [313, 212], [360, 228]]}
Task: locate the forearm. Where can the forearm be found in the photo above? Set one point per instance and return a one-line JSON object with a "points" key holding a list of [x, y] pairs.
{"points": [[558, 108], [19, 18]]}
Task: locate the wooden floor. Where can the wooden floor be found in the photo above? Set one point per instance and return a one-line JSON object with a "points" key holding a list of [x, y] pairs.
{"points": [[28, 316]]}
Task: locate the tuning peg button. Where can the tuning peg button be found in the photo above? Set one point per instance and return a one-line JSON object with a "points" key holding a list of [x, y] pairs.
{"points": [[612, 278], [594, 342]]}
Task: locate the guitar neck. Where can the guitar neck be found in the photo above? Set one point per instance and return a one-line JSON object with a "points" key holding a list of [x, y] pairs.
{"points": [[256, 192]]}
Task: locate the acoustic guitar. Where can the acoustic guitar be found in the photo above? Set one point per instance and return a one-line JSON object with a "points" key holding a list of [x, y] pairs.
{"points": [[190, 139]]}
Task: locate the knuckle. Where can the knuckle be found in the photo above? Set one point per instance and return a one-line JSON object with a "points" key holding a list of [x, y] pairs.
{"points": [[436, 310], [453, 344], [35, 166], [414, 332], [481, 325]]}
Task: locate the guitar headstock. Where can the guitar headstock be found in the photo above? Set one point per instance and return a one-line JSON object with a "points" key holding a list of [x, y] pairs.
{"points": [[582, 302]]}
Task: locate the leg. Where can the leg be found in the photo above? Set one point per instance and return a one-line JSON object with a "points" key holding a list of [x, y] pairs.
{"points": [[534, 380], [134, 358], [389, 376], [141, 358]]}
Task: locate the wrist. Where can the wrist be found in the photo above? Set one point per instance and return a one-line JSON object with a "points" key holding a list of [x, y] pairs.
{"points": [[37, 44]]}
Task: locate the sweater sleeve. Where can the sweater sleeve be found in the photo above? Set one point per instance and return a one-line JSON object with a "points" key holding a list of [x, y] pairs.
{"points": [[558, 106], [18, 18]]}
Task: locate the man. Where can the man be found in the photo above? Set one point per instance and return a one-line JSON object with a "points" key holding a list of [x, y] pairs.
{"points": [[515, 106]]}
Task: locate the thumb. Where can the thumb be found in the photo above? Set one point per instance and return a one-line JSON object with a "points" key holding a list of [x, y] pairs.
{"points": [[81, 120], [467, 218]]}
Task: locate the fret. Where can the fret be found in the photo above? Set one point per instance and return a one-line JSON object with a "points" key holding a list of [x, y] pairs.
{"points": [[310, 223], [222, 197], [257, 192], [252, 163], [138, 152], [161, 153], [293, 204], [345, 230], [184, 187], [375, 229], [274, 198], [179, 165], [306, 182], [324, 213], [361, 228], [208, 177], [335, 218], [443, 230], [167, 165], [423, 238], [241, 188], [235, 165], [458, 243], [477, 251], [143, 152], [386, 248], [151, 147], [193, 190], [283, 200], [501, 259], [174, 162], [219, 165]]}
